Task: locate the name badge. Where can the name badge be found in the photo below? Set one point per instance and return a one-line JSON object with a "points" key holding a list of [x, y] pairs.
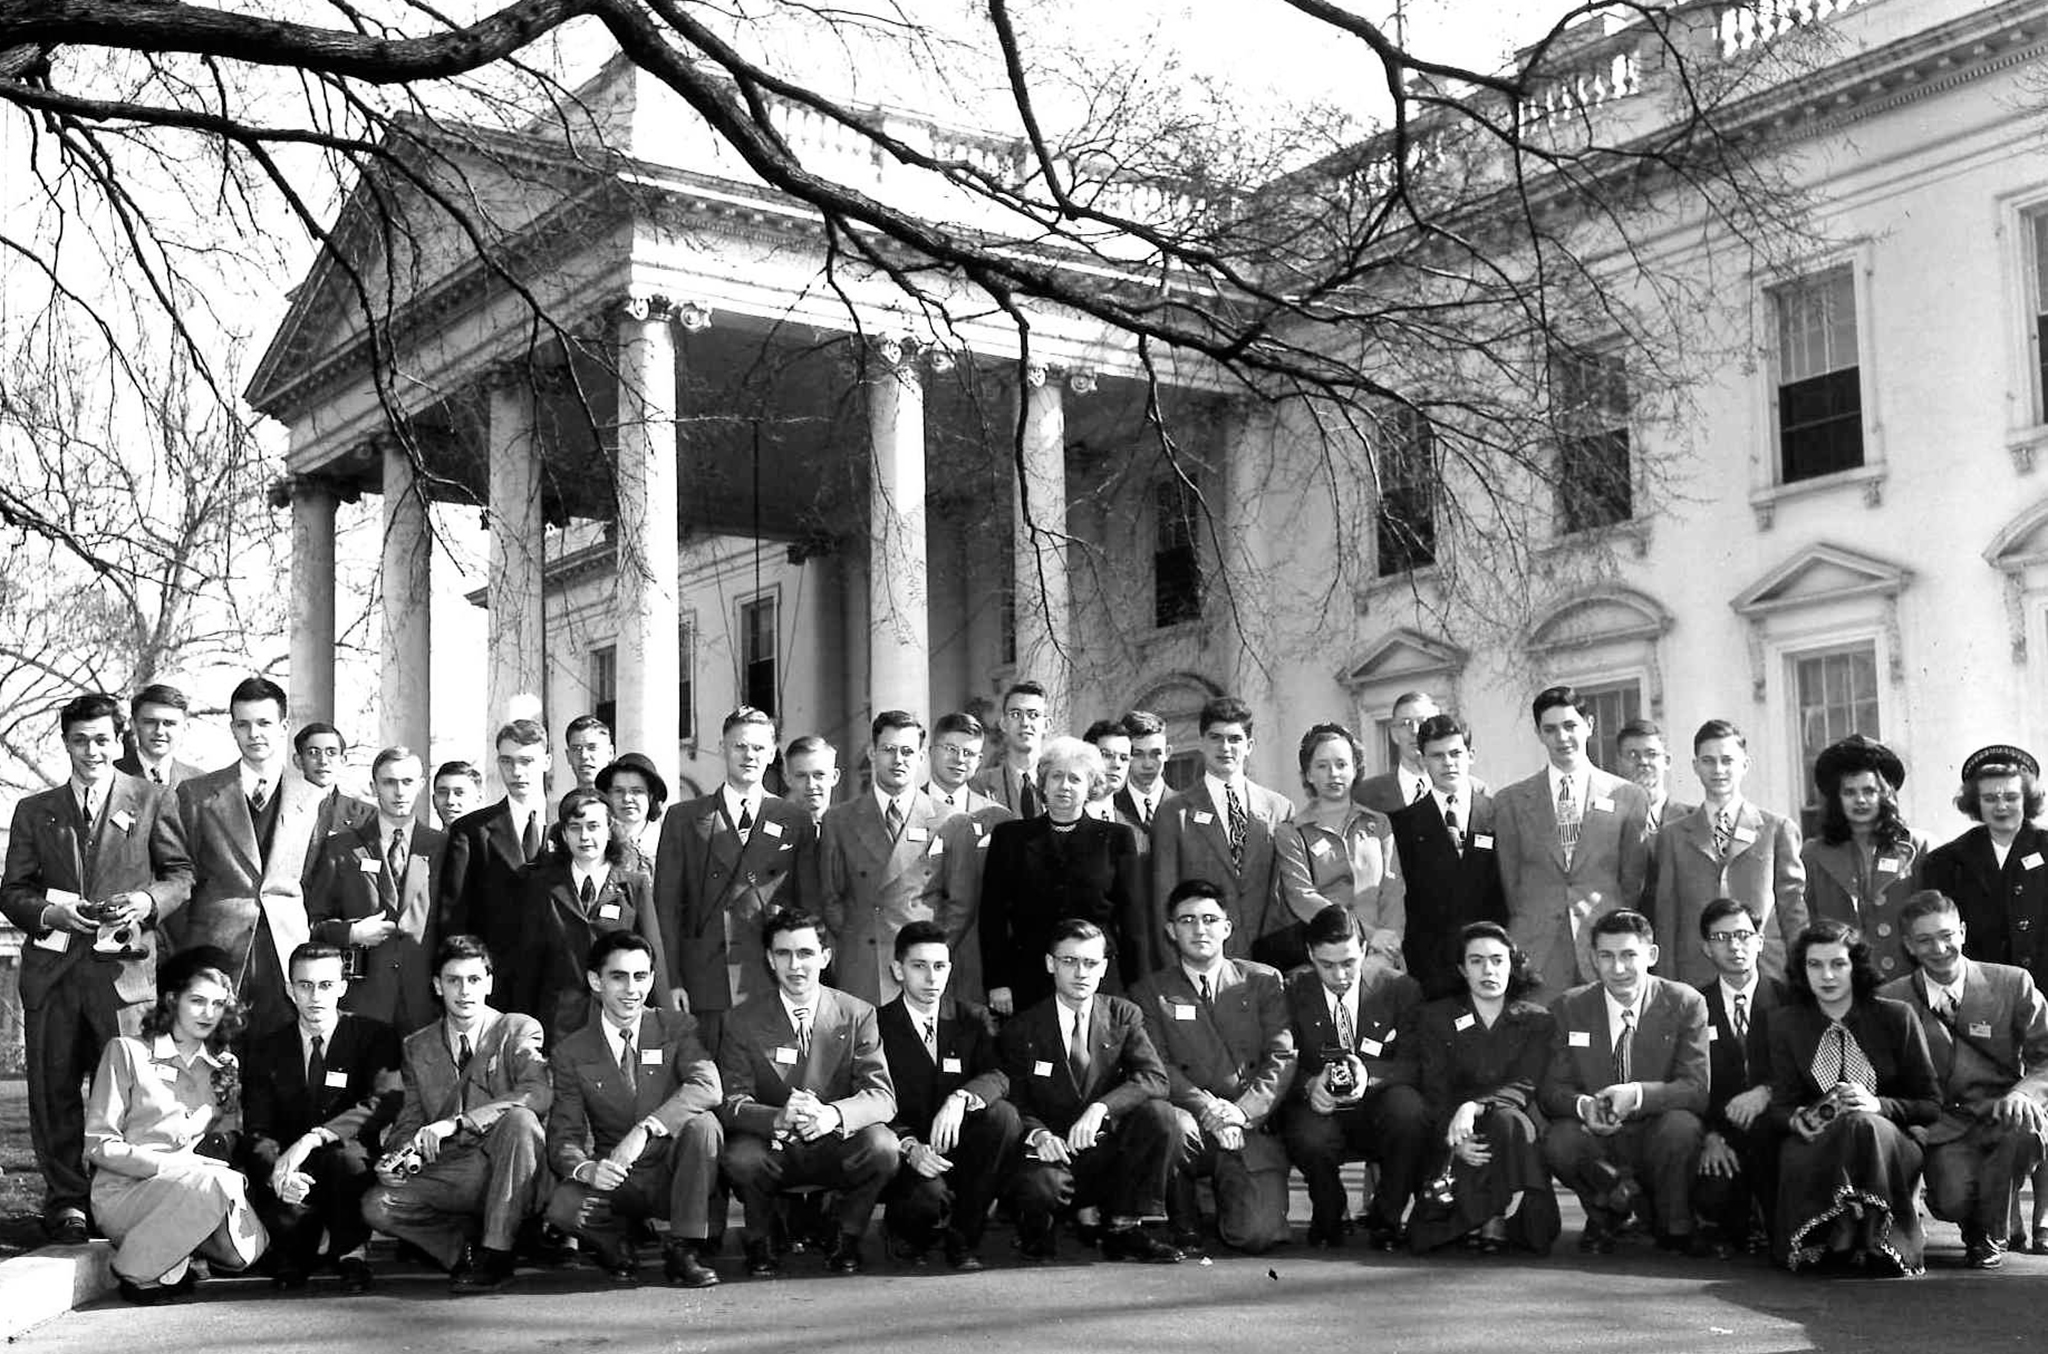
{"points": [[650, 1057], [1482, 841], [1204, 817], [1463, 1022], [1744, 835], [62, 897], [938, 846], [1181, 1012], [1579, 1039], [1886, 865], [2031, 861], [981, 843], [1980, 1029], [1370, 1047], [949, 1065], [1601, 804], [337, 1079], [368, 866], [1713, 1032], [609, 912], [165, 1073], [772, 828], [57, 942], [1320, 847], [785, 1056], [123, 819], [1041, 1069], [915, 834]]}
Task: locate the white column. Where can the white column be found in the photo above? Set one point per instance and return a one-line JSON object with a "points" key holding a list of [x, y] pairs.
{"points": [[899, 676], [313, 504], [1044, 629], [407, 659], [649, 616], [518, 637]]}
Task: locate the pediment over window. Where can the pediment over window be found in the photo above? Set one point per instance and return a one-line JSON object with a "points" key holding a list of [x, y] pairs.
{"points": [[1818, 575], [1401, 655], [2020, 553], [1609, 614]]}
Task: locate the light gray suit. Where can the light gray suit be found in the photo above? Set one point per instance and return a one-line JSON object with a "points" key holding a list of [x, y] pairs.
{"points": [[875, 884], [1552, 905]]}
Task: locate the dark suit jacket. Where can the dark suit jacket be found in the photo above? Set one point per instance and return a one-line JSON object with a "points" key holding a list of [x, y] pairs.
{"points": [[351, 881], [999, 785], [711, 894], [136, 845], [1447, 889], [967, 1059], [2006, 909], [676, 1080], [1996, 1042], [131, 765], [956, 893], [506, 1072], [1907, 1092], [1763, 870], [340, 813], [238, 892], [1383, 792], [479, 884], [758, 1062], [1669, 1055], [1733, 1064], [1458, 1058], [1240, 1048], [362, 1096], [1124, 1070], [1191, 840], [557, 932], [1387, 1002], [1034, 877]]}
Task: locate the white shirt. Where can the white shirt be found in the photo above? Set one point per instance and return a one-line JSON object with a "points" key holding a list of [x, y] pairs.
{"points": [[1068, 1016], [387, 826], [1952, 991], [1347, 1003], [1581, 784], [1414, 784], [952, 799], [883, 799], [521, 813], [597, 875], [251, 778], [326, 1037], [1215, 976], [1218, 796], [1149, 802], [737, 803], [1614, 1010], [99, 793], [615, 1037], [454, 1037], [1748, 995], [1733, 808], [1448, 804], [790, 1008], [1100, 808]]}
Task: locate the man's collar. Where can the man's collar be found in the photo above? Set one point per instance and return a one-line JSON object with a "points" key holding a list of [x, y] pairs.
{"points": [[1214, 972], [1219, 786], [1615, 1003], [387, 826], [1729, 989], [327, 1035], [922, 1012]]}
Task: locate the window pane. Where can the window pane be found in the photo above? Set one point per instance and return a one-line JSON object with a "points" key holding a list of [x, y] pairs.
{"points": [[1176, 563], [1820, 425], [1613, 706], [1405, 525], [1837, 695]]}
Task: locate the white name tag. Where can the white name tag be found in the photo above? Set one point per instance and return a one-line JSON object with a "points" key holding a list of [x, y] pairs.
{"points": [[1463, 1022], [337, 1079], [981, 843], [1744, 835], [1482, 841], [938, 846], [1204, 817], [1579, 1039], [165, 1073], [1041, 1069], [123, 819], [1370, 1047], [2031, 861], [56, 942], [609, 912], [1713, 1032], [368, 866], [650, 1057], [1886, 865], [1181, 1012], [1601, 804], [915, 834], [949, 1064], [1320, 847], [773, 829], [1979, 1030], [786, 1057]]}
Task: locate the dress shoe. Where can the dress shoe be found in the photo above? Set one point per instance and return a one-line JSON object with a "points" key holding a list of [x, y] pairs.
{"points": [[1036, 1239], [1492, 1237], [1135, 1243], [684, 1268], [549, 1246], [147, 1295], [1326, 1236], [960, 1254], [906, 1251], [356, 1275], [1982, 1251], [617, 1260], [66, 1227], [1598, 1238], [1190, 1242], [1382, 1235], [488, 1271], [289, 1276], [845, 1258], [761, 1261]]}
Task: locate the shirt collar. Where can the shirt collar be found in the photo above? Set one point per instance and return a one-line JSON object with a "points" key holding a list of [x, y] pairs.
{"points": [[1615, 1008], [597, 873], [1068, 1017], [1100, 808], [269, 777], [1729, 994], [1444, 801], [1347, 1000], [1581, 783], [901, 799], [1954, 989], [387, 826], [1215, 979], [165, 1050], [1218, 788], [735, 801], [790, 1008]]}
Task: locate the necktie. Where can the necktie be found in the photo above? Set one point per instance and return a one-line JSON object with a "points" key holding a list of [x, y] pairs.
{"points": [[87, 809], [316, 1066], [1027, 799], [1346, 1035], [394, 855], [1567, 820], [1145, 810], [1235, 808], [1840, 1058], [1451, 825], [1077, 1051], [629, 1066], [931, 1038], [464, 1055], [1624, 1047], [156, 775], [587, 894], [1724, 833], [803, 1031], [895, 820], [1741, 1016], [1421, 789], [529, 838], [260, 797], [746, 822], [1208, 994]]}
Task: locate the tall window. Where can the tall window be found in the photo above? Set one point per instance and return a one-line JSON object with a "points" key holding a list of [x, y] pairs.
{"points": [[2037, 228], [604, 684], [686, 685], [1595, 483], [1176, 563], [758, 654], [1820, 390], [1836, 695], [1614, 704], [1406, 523]]}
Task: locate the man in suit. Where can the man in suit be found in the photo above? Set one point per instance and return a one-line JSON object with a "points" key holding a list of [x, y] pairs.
{"points": [[727, 860], [458, 789], [317, 1096], [96, 855], [250, 831], [1408, 782], [1112, 742], [587, 749], [807, 1096], [1737, 1185], [1221, 1027], [810, 766], [1448, 856], [1099, 1134], [956, 759], [1987, 1029], [955, 892], [880, 852], [1625, 1088], [956, 1134], [633, 1130], [1221, 829], [1570, 844], [1118, 742], [1138, 802], [1645, 760], [1728, 848], [319, 751], [486, 849], [374, 893], [156, 718], [476, 1087], [1355, 1090], [1013, 781]]}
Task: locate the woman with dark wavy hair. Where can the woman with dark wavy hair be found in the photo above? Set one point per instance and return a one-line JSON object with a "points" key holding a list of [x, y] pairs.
{"points": [[1482, 1055], [1865, 863], [159, 1130], [1336, 850], [1850, 1074]]}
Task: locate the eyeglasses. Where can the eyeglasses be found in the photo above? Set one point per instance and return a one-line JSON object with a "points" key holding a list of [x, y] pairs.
{"points": [[1078, 963], [1206, 920], [1731, 937], [1025, 716]]}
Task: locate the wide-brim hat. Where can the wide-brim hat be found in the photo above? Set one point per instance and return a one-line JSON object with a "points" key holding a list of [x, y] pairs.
{"points": [[634, 761], [183, 966], [1857, 752], [2000, 754]]}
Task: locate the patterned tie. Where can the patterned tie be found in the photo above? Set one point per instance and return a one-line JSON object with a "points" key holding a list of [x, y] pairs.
{"points": [[1567, 820], [1451, 826], [1724, 833], [316, 1067], [894, 818], [87, 808], [629, 1065], [1741, 1016], [931, 1038], [394, 855], [1624, 1047], [746, 822], [1840, 1058], [1077, 1050], [156, 775], [1421, 789], [1208, 994], [803, 1031], [529, 838], [260, 798], [1346, 1035], [1235, 808]]}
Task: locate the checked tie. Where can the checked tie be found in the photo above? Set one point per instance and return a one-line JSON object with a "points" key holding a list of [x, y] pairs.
{"points": [[1840, 1058]]}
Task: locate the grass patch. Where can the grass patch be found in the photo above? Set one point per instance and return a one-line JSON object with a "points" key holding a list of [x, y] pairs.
{"points": [[21, 1189]]}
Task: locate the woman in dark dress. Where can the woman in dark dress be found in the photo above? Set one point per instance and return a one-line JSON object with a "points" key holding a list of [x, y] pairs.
{"points": [[1481, 1058], [1850, 1074], [570, 897], [1062, 864]]}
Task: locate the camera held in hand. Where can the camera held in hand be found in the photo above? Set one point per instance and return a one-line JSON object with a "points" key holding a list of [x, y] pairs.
{"points": [[1339, 1078], [115, 942], [405, 1162]]}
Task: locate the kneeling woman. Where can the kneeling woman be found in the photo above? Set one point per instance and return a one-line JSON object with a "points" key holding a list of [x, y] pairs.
{"points": [[1850, 1074], [1482, 1056], [159, 1130]]}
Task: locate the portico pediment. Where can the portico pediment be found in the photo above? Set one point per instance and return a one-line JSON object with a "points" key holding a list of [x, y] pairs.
{"points": [[1401, 655]]}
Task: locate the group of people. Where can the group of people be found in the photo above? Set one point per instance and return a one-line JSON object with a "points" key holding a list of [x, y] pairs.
{"points": [[1049, 984]]}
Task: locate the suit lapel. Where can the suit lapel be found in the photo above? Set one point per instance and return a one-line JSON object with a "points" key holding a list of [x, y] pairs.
{"points": [[498, 831], [231, 812]]}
